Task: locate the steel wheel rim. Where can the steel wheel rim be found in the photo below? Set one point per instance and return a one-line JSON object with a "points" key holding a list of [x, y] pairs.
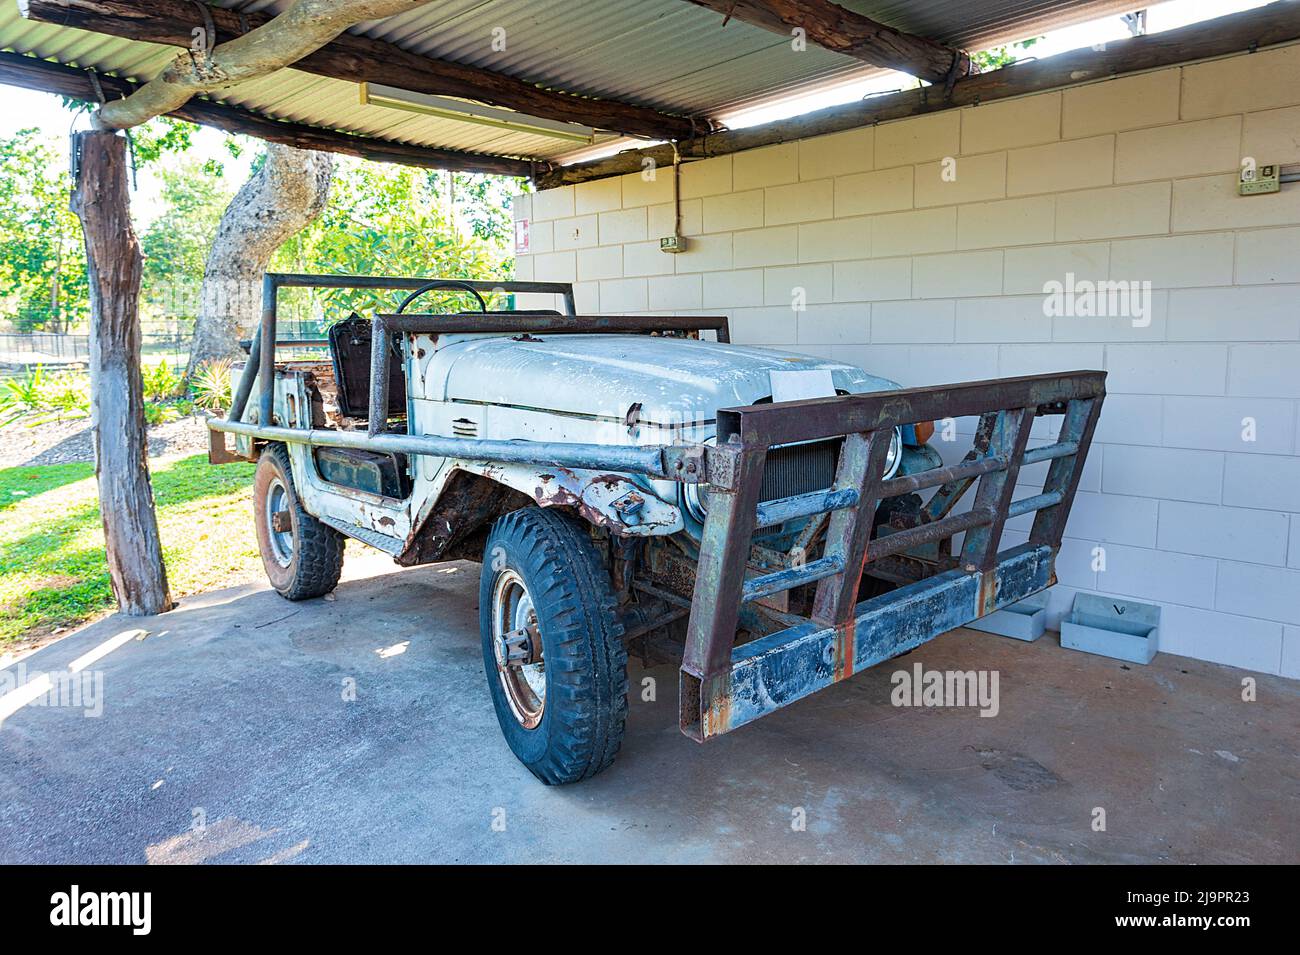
{"points": [[277, 500], [525, 686]]}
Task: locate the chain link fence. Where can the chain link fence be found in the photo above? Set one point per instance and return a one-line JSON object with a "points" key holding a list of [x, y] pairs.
{"points": [[160, 341]]}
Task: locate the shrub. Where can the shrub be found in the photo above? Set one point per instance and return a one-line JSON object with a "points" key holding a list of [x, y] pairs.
{"points": [[44, 396], [160, 382], [22, 394], [68, 395], [159, 413], [210, 385]]}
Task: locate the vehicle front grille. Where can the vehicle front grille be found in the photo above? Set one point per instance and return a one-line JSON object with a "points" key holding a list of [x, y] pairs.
{"points": [[799, 469]]}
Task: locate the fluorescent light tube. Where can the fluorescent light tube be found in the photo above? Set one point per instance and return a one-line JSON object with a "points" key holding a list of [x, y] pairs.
{"points": [[372, 94]]}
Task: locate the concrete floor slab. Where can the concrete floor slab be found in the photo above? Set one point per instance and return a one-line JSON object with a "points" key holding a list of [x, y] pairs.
{"points": [[225, 736]]}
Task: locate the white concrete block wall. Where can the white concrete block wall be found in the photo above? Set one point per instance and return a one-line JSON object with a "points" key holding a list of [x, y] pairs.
{"points": [[926, 279]]}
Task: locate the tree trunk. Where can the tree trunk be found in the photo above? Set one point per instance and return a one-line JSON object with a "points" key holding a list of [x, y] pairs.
{"points": [[113, 265], [278, 201], [54, 324]]}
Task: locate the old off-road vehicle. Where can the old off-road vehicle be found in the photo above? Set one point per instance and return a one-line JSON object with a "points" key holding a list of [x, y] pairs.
{"points": [[629, 485]]}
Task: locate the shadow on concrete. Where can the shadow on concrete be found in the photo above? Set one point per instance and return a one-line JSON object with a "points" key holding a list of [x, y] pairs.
{"points": [[247, 729]]}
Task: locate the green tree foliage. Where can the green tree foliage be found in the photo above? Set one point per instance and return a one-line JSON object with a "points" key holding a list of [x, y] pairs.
{"points": [[395, 220], [42, 256], [1000, 56], [176, 243], [382, 219], [482, 201], [42, 260], [156, 138]]}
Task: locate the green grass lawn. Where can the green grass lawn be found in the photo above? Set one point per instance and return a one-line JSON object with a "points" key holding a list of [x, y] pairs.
{"points": [[52, 566]]}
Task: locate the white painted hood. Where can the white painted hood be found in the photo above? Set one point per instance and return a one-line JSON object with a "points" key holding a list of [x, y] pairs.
{"points": [[674, 379]]}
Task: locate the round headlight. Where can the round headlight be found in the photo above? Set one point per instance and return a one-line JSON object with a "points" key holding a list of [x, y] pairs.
{"points": [[894, 456], [695, 498]]}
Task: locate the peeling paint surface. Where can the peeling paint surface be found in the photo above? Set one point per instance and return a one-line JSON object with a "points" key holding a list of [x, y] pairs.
{"points": [[776, 670], [674, 379], [596, 496]]}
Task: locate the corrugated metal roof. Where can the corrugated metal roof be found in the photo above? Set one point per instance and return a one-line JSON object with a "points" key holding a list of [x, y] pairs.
{"points": [[980, 24], [667, 54], [679, 57]]}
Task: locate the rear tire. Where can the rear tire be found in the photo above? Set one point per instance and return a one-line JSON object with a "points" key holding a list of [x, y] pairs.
{"points": [[562, 717], [305, 558]]}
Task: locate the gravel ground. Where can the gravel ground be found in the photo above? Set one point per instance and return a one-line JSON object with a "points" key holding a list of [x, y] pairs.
{"points": [[62, 442]]}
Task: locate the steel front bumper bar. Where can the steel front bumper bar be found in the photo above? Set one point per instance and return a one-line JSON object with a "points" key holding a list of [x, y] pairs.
{"points": [[774, 671], [723, 685]]}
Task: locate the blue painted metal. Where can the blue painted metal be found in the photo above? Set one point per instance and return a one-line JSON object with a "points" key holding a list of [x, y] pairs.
{"points": [[943, 500], [1062, 449], [1035, 503], [771, 513], [942, 475], [917, 458], [1111, 627], [776, 670], [790, 577], [950, 526], [1010, 437], [1064, 473], [1024, 620], [848, 531]]}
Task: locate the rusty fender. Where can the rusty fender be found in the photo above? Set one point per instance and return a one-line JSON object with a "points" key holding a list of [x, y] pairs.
{"points": [[606, 500]]}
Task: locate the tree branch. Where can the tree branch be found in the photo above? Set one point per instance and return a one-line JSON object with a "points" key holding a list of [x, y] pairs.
{"points": [[31, 73], [303, 28], [843, 31], [360, 59]]}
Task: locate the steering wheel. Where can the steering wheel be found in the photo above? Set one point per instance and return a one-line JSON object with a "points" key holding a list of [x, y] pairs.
{"points": [[442, 283]]}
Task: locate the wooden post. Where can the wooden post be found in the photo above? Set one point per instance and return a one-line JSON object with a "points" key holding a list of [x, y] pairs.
{"points": [[113, 264]]}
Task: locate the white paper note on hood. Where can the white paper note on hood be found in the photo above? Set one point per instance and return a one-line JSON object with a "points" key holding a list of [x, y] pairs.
{"points": [[805, 383]]}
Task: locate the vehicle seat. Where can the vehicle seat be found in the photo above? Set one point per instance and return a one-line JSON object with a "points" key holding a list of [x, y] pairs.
{"points": [[349, 342]]}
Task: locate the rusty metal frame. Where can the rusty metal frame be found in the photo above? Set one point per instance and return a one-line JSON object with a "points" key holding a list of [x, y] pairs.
{"points": [[723, 685], [261, 361], [218, 452], [534, 323]]}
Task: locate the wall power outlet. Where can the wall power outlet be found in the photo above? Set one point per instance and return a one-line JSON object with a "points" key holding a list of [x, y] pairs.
{"points": [[1265, 179]]}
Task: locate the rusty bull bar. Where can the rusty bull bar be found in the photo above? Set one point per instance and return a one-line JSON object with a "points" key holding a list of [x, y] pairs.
{"points": [[725, 685]]}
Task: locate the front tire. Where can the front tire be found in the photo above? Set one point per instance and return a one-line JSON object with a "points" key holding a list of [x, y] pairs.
{"points": [[562, 714], [303, 557]]}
